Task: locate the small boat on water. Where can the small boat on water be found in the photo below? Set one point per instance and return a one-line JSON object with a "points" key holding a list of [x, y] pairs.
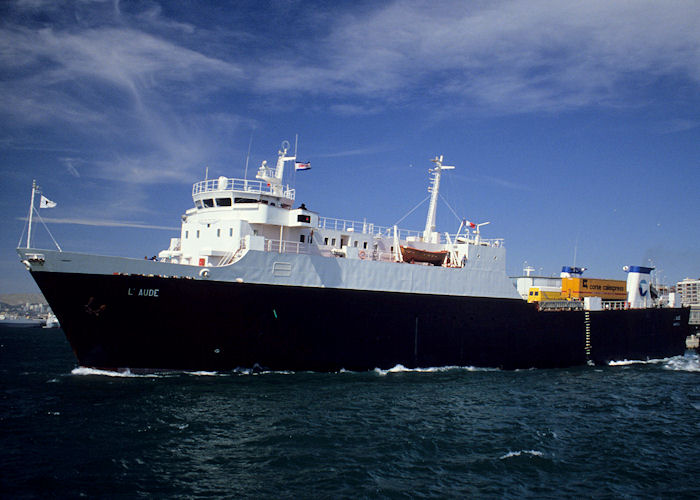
{"points": [[19, 322], [52, 321], [413, 255]]}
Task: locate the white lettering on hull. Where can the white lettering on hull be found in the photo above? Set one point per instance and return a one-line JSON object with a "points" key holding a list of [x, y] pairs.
{"points": [[143, 292]]}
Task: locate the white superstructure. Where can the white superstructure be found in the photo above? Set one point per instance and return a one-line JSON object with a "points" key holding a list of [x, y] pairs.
{"points": [[236, 222]]}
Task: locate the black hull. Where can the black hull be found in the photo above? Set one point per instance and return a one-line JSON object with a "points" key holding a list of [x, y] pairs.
{"points": [[186, 324]]}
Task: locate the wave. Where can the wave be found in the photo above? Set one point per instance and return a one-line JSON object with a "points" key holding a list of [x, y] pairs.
{"points": [[628, 362], [125, 373], [533, 453], [437, 369], [689, 362]]}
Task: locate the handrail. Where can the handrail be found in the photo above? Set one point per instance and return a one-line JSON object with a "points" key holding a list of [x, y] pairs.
{"points": [[363, 227], [388, 231], [241, 185]]}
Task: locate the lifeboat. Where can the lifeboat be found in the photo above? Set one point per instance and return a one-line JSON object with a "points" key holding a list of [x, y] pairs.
{"points": [[412, 255]]}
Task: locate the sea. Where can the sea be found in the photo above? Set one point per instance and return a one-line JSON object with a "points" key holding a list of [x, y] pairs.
{"points": [[628, 430]]}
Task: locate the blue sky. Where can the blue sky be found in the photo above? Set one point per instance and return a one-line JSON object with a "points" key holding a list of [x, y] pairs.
{"points": [[574, 126]]}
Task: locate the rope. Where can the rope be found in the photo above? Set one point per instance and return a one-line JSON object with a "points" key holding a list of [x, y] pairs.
{"points": [[21, 236], [448, 206], [47, 230], [411, 211]]}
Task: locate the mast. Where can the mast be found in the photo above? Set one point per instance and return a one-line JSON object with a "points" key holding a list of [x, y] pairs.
{"points": [[274, 177], [31, 212], [429, 233]]}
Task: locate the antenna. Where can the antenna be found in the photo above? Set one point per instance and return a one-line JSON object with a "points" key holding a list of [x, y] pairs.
{"points": [[250, 143], [429, 233], [31, 211]]}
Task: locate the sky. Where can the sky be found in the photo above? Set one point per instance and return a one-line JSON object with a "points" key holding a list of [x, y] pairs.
{"points": [[574, 126]]}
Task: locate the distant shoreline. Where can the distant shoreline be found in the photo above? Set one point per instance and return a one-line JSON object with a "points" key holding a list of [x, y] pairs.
{"points": [[15, 299]]}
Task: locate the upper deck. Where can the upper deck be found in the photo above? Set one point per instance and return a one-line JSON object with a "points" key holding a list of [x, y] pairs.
{"points": [[243, 187]]}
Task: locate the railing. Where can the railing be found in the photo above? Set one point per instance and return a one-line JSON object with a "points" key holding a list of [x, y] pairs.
{"points": [[388, 231], [615, 305], [287, 246], [241, 185], [364, 228], [472, 239]]}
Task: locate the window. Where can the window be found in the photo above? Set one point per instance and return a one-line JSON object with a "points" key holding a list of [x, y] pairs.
{"points": [[356, 242], [304, 218], [197, 233], [333, 242], [223, 202], [218, 233], [301, 238], [244, 200], [187, 234], [364, 245], [325, 241], [208, 203], [198, 204], [230, 232]]}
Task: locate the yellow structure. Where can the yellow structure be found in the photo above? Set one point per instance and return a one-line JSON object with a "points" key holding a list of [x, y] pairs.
{"points": [[541, 294], [578, 288]]}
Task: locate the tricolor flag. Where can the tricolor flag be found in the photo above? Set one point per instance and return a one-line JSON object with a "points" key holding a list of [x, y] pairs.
{"points": [[302, 166], [46, 203]]}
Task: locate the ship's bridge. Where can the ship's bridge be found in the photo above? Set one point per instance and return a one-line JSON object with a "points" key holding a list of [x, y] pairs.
{"points": [[226, 192]]}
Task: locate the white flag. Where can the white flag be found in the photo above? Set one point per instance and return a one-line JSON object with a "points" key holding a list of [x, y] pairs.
{"points": [[46, 203]]}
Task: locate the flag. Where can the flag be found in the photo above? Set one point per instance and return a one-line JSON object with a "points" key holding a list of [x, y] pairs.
{"points": [[468, 223], [46, 203], [302, 166]]}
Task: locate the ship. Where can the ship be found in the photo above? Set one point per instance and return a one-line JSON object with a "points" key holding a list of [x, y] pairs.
{"points": [[257, 282]]}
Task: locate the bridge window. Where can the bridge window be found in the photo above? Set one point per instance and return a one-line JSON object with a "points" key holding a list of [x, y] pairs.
{"points": [[245, 200], [198, 204], [208, 203], [223, 202]]}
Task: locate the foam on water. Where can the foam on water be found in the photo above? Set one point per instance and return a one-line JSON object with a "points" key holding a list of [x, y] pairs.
{"points": [[627, 362], [203, 373], [690, 362], [82, 370], [437, 369], [533, 453]]}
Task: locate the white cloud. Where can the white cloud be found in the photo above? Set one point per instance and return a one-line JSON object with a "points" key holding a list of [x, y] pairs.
{"points": [[130, 88], [516, 55], [104, 223]]}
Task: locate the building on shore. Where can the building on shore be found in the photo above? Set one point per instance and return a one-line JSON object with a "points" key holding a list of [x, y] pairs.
{"points": [[689, 291]]}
